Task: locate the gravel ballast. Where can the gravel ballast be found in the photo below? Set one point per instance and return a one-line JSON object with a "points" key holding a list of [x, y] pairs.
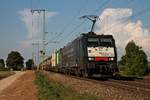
{"points": [[100, 90]]}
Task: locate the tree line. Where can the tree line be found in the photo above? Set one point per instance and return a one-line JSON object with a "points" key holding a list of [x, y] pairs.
{"points": [[15, 61]]}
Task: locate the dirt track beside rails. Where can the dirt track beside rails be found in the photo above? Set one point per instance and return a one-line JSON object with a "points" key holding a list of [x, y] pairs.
{"points": [[22, 88], [4, 83], [100, 89]]}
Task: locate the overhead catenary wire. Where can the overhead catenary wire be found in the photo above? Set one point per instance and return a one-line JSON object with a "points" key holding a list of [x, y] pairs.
{"points": [[131, 1], [31, 4], [101, 6], [70, 34], [141, 12], [106, 3], [79, 25], [98, 9], [71, 21], [75, 28]]}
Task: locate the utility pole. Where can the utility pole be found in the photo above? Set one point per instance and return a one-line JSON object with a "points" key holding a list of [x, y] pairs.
{"points": [[33, 58], [43, 51], [38, 57]]}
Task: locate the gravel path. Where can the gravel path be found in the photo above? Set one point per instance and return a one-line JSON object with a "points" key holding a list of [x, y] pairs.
{"points": [[4, 83], [21, 87]]}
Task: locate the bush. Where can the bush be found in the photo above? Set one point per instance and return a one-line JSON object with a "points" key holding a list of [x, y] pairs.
{"points": [[4, 69], [4, 74], [134, 62]]}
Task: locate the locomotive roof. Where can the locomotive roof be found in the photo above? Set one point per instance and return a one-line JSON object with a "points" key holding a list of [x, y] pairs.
{"points": [[96, 35], [89, 34]]}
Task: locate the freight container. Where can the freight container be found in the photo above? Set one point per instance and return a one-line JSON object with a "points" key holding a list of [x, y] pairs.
{"points": [[53, 60], [58, 57]]}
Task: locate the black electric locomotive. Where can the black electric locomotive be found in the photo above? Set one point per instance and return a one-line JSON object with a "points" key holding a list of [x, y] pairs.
{"points": [[88, 55]]}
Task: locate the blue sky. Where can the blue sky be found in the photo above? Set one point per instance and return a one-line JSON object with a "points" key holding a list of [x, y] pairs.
{"points": [[14, 32]]}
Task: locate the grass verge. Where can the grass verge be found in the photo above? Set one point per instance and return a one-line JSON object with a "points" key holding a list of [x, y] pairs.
{"points": [[4, 74], [50, 90]]}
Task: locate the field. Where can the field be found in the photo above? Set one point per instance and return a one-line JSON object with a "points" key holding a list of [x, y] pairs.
{"points": [[4, 74]]}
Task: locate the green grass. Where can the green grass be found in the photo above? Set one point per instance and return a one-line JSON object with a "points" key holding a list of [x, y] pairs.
{"points": [[4, 74], [51, 90]]}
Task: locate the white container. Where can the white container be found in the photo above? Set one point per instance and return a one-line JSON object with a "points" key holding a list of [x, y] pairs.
{"points": [[53, 60]]}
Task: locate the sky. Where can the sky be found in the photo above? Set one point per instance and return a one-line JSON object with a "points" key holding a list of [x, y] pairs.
{"points": [[126, 20]]}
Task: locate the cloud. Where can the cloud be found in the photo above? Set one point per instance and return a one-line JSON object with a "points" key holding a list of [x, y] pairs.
{"points": [[33, 23], [117, 22]]}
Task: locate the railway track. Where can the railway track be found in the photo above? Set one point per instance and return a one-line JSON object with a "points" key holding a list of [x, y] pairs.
{"points": [[142, 84], [134, 87], [144, 81], [130, 86]]}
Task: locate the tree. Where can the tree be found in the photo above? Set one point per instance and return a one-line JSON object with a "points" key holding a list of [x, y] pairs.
{"points": [[2, 64], [135, 60], [29, 64], [15, 60]]}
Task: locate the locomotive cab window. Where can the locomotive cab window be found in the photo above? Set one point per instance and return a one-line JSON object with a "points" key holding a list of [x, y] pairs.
{"points": [[93, 41], [106, 42]]}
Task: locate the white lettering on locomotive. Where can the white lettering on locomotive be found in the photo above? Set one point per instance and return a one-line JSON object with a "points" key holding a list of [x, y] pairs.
{"points": [[100, 52]]}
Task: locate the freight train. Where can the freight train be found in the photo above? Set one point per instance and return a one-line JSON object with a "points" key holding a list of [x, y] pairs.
{"points": [[87, 55]]}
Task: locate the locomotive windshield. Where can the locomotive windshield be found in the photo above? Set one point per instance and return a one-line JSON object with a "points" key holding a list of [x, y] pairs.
{"points": [[100, 47], [106, 42], [93, 41], [100, 42]]}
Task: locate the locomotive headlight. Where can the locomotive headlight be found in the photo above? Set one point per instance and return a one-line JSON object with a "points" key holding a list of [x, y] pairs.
{"points": [[90, 58], [111, 59]]}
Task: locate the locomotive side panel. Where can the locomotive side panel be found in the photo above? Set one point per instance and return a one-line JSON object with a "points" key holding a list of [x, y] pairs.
{"points": [[68, 55], [72, 57]]}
